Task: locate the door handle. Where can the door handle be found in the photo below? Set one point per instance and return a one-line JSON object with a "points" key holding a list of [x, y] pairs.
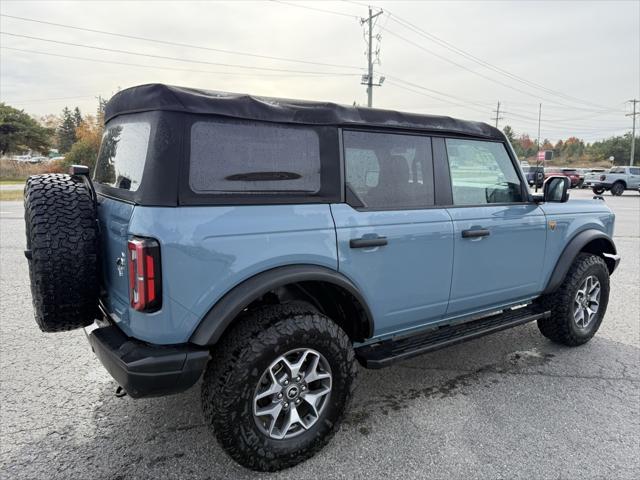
{"points": [[368, 242], [475, 233]]}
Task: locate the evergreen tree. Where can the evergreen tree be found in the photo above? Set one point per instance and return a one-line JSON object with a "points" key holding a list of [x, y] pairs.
{"points": [[77, 117], [66, 131]]}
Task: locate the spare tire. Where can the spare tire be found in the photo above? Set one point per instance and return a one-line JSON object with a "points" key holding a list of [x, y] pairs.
{"points": [[62, 249]]}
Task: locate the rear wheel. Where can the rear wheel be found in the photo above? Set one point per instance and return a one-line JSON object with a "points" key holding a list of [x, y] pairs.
{"points": [[617, 189], [579, 304], [276, 390], [62, 247]]}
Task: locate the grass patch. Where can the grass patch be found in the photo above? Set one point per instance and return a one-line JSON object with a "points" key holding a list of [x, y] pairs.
{"points": [[12, 171], [10, 195], [11, 182]]}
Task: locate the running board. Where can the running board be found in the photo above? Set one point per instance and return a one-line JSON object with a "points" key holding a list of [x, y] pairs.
{"points": [[384, 353]]}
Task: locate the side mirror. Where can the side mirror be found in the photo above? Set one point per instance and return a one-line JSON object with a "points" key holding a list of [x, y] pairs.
{"points": [[556, 189]]}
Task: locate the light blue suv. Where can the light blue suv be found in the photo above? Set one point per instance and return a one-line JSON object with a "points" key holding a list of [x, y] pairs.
{"points": [[267, 246]]}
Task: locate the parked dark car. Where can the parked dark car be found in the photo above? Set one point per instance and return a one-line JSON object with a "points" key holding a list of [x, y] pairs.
{"points": [[571, 173], [534, 175]]}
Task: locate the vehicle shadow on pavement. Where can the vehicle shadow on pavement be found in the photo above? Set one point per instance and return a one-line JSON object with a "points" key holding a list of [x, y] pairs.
{"points": [[409, 406]]}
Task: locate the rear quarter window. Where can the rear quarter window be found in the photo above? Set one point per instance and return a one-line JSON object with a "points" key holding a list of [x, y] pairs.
{"points": [[246, 157], [123, 154]]}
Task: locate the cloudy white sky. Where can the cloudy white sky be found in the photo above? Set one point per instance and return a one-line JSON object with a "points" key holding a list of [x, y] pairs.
{"points": [[580, 59]]}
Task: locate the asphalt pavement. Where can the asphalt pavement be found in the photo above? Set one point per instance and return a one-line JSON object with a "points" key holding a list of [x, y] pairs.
{"points": [[512, 405]]}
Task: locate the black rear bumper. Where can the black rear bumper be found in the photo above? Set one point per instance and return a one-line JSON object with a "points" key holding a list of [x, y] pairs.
{"points": [[145, 370]]}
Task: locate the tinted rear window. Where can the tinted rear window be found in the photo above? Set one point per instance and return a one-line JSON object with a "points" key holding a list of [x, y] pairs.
{"points": [[253, 157], [123, 154]]}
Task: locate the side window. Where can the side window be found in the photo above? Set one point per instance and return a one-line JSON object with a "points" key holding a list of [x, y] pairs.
{"points": [[123, 154], [389, 170], [252, 157], [634, 171], [482, 173]]}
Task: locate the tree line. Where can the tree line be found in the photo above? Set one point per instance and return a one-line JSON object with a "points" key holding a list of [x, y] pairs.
{"points": [[75, 136], [575, 151]]}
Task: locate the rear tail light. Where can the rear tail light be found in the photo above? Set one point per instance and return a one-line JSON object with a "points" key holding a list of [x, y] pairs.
{"points": [[145, 280], [603, 177]]}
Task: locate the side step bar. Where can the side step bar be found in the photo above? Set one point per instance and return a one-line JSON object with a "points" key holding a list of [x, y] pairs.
{"points": [[385, 353]]}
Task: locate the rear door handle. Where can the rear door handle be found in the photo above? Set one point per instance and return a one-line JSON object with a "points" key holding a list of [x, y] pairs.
{"points": [[475, 233], [368, 242]]}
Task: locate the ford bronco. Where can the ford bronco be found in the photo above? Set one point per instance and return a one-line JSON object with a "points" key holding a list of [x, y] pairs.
{"points": [[268, 246]]}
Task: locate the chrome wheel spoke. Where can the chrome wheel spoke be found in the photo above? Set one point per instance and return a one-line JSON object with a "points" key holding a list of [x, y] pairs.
{"points": [[273, 389], [314, 398], [294, 368], [313, 374], [273, 412], [292, 418]]}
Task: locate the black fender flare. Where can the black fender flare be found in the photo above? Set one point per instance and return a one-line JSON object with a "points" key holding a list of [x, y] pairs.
{"points": [[607, 249], [225, 310]]}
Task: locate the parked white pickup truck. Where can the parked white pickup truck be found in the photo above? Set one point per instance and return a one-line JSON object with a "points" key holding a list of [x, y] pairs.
{"points": [[617, 180]]}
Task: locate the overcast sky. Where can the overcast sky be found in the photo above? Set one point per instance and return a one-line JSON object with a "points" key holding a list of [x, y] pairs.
{"points": [[580, 59]]}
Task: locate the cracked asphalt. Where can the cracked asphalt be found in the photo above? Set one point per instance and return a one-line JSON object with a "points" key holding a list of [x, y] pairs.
{"points": [[512, 405]]}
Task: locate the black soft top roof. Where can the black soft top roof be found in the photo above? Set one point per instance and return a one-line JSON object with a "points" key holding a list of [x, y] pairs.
{"points": [[156, 96]]}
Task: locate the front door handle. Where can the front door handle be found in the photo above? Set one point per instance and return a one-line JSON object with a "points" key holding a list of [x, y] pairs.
{"points": [[368, 242], [475, 233]]}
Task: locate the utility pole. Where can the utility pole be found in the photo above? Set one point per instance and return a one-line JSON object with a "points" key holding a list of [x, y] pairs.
{"points": [[539, 117], [634, 102], [497, 117], [368, 81]]}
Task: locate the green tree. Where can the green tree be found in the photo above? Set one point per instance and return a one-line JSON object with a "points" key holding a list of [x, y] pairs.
{"points": [[618, 147], [509, 133], [66, 131], [19, 132], [77, 117]]}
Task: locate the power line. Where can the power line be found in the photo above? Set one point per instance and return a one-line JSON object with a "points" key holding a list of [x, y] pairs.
{"points": [[484, 63], [177, 69], [323, 10], [46, 100], [179, 44], [140, 54], [442, 57], [404, 87], [421, 87]]}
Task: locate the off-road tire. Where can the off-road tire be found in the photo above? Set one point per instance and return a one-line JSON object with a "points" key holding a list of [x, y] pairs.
{"points": [[62, 247], [617, 189], [561, 327], [597, 191], [234, 371]]}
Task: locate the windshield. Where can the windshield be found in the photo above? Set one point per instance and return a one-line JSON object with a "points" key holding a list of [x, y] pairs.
{"points": [[123, 153]]}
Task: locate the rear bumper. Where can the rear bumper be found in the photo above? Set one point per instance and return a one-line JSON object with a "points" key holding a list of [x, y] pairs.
{"points": [[142, 369], [597, 184]]}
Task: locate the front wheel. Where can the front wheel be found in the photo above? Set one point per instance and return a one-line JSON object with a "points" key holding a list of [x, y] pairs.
{"points": [[617, 189], [598, 190], [276, 390], [579, 304]]}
